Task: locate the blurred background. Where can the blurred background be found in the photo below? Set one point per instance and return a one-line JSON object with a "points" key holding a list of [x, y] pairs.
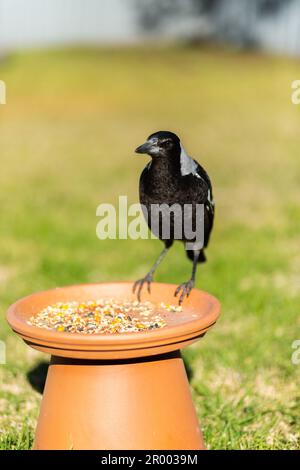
{"points": [[87, 81], [266, 24]]}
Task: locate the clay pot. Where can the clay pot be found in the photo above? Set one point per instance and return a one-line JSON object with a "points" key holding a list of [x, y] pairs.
{"points": [[126, 391]]}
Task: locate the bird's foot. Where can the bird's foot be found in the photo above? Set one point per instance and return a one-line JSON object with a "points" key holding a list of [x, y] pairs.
{"points": [[185, 289], [138, 285]]}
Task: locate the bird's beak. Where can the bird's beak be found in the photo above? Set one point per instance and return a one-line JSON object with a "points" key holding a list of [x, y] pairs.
{"points": [[144, 148]]}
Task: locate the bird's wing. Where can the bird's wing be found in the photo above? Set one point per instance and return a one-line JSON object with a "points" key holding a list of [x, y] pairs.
{"points": [[209, 203], [201, 174], [189, 166]]}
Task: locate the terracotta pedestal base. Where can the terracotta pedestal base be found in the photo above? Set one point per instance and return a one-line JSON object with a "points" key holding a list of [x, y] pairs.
{"points": [[130, 404], [114, 392]]}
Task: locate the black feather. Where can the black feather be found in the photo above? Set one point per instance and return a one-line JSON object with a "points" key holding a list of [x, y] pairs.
{"points": [[162, 182], [173, 179]]}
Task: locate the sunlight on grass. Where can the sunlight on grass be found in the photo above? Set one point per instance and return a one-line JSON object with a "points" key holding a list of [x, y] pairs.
{"points": [[68, 131]]}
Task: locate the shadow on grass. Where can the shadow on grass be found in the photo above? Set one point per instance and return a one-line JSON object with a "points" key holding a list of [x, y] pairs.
{"points": [[37, 376], [188, 369]]}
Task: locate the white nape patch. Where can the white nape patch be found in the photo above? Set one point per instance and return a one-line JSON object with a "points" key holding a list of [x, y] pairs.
{"points": [[187, 164]]}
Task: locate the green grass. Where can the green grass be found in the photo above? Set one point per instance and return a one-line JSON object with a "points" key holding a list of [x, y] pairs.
{"points": [[68, 132]]}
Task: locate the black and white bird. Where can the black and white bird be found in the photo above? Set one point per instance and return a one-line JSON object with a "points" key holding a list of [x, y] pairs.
{"points": [[172, 177]]}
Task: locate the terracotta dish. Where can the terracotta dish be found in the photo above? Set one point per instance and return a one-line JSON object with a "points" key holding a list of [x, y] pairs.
{"points": [[117, 391]]}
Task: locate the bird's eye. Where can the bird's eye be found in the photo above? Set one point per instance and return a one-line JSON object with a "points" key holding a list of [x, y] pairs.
{"points": [[166, 143]]}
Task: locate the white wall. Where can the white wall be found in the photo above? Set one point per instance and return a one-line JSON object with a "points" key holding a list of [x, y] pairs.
{"points": [[26, 23], [282, 34]]}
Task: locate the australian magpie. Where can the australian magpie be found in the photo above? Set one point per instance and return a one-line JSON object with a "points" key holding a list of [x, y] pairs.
{"points": [[172, 177]]}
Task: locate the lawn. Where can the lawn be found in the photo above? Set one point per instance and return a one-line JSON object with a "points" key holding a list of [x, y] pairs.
{"points": [[68, 132]]}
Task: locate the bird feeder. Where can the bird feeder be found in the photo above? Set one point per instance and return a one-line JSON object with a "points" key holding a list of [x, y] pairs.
{"points": [[117, 391]]}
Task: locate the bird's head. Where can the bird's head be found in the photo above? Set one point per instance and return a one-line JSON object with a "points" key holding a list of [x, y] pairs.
{"points": [[162, 144]]}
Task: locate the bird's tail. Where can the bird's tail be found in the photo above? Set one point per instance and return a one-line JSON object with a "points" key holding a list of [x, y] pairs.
{"points": [[201, 259]]}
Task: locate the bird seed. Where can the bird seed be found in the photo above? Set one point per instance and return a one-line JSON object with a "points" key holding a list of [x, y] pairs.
{"points": [[102, 316]]}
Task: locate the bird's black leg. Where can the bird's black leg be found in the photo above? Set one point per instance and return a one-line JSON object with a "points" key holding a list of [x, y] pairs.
{"points": [[186, 287], [138, 285]]}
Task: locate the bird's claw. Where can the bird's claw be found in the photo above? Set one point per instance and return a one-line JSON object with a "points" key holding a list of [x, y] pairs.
{"points": [[138, 285], [186, 288]]}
